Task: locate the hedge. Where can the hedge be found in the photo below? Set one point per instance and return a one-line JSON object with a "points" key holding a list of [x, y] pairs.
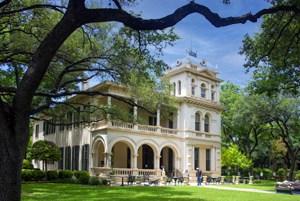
{"points": [[52, 175], [65, 174]]}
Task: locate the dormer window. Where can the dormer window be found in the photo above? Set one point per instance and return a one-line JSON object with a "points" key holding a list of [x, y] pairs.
{"points": [[203, 90], [193, 90]]}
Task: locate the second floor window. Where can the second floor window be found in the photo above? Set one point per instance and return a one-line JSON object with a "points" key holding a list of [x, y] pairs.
{"points": [[206, 123], [197, 122], [193, 90], [37, 130], [179, 87], [203, 91], [174, 90]]}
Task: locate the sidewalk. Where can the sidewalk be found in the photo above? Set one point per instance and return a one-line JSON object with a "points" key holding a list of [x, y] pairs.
{"points": [[239, 189]]}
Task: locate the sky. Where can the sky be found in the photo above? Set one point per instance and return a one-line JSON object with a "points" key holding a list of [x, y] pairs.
{"points": [[219, 46]]}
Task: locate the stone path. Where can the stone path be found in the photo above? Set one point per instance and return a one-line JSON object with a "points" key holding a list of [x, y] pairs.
{"points": [[239, 189]]}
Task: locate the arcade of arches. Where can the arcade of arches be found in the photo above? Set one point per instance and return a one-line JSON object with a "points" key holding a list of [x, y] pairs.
{"points": [[122, 155]]}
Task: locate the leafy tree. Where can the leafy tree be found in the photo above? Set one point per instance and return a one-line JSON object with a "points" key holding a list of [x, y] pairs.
{"points": [[45, 151], [232, 157], [38, 77], [273, 53]]}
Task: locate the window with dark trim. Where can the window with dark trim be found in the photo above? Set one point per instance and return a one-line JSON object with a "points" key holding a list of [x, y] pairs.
{"points": [[69, 119], [179, 87], [152, 121], [203, 90], [37, 130], [174, 90], [197, 121], [49, 127], [61, 161], [85, 157], [196, 157], [68, 158], [207, 159], [206, 123], [75, 158]]}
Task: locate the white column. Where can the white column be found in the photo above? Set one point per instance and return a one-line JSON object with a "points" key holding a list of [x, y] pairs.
{"points": [[109, 106], [134, 160], [158, 117], [156, 162], [213, 158]]}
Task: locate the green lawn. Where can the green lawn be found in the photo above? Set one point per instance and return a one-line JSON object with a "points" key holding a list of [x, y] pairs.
{"points": [[265, 185], [68, 192]]}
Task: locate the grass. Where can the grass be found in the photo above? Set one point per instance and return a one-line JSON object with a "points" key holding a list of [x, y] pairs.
{"points": [[68, 192], [265, 185]]}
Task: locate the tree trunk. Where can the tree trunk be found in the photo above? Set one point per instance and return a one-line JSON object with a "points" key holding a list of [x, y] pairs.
{"points": [[12, 149], [292, 168]]}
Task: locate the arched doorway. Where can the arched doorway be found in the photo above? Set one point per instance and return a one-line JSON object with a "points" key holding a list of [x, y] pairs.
{"points": [[99, 154], [167, 160], [146, 157], [121, 157]]}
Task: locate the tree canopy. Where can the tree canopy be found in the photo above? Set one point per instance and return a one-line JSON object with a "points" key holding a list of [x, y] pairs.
{"points": [[46, 46]]}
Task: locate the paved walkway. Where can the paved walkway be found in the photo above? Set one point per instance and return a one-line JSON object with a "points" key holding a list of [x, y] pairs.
{"points": [[238, 189]]}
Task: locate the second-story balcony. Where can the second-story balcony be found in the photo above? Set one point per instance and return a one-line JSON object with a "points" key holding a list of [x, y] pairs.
{"points": [[156, 130]]}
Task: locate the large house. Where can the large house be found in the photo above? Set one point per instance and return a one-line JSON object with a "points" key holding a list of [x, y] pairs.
{"points": [[191, 139]]}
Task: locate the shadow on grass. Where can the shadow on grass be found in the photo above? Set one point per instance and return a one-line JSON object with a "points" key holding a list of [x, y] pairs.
{"points": [[53, 192]]}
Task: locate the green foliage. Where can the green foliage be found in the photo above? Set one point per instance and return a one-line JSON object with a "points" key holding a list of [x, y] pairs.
{"points": [[32, 175], [274, 52], [268, 173], [52, 175], [27, 164], [232, 157], [80, 173], [65, 174], [94, 181], [45, 151], [84, 179], [104, 182], [297, 175]]}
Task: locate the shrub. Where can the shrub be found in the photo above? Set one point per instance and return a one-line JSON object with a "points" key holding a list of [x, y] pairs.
{"points": [[297, 175], [256, 172], [65, 174], [84, 179], [257, 181], [38, 175], [52, 175], [27, 175], [27, 164], [78, 174], [281, 173], [104, 182], [267, 173], [94, 181]]}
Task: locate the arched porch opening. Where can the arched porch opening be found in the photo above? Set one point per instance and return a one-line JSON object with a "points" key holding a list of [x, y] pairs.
{"points": [[167, 160], [145, 159], [99, 155], [121, 155]]}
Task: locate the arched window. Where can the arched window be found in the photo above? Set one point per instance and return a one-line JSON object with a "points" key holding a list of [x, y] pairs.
{"points": [[213, 97], [206, 123], [193, 90], [179, 87], [203, 90], [174, 92], [197, 121]]}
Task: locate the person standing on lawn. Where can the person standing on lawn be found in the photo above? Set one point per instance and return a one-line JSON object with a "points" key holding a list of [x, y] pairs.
{"points": [[199, 176]]}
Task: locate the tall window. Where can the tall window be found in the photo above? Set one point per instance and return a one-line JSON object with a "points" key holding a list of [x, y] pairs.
{"points": [[179, 87], [212, 93], [37, 130], [193, 90], [203, 90], [174, 90], [206, 123], [61, 161], [77, 117], [85, 157], [75, 158], [196, 155], [197, 121], [68, 158], [207, 159]]}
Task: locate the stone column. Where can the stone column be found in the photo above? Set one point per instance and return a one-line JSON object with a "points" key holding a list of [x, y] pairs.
{"points": [[204, 180], [222, 179], [237, 179], [135, 126], [158, 121], [107, 159], [134, 156], [250, 179], [156, 162], [108, 114]]}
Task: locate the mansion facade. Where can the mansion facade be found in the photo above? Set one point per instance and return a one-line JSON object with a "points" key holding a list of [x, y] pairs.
{"points": [[190, 139]]}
